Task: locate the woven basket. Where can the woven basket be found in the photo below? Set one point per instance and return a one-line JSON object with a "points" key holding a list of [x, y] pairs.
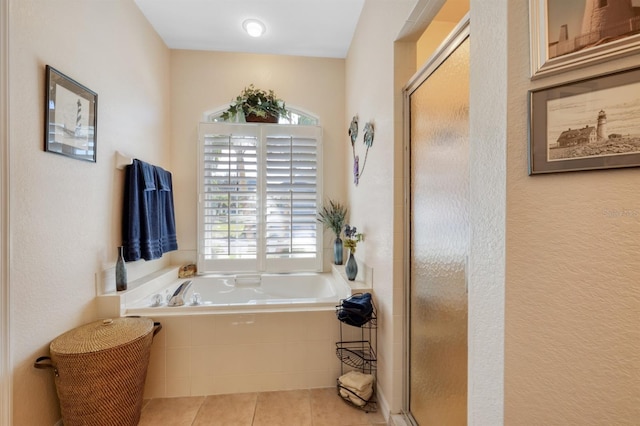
{"points": [[100, 369]]}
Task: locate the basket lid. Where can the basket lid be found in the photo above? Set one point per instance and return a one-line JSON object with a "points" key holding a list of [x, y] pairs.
{"points": [[101, 335]]}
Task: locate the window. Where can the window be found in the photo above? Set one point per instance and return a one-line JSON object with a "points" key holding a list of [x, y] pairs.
{"points": [[259, 190]]}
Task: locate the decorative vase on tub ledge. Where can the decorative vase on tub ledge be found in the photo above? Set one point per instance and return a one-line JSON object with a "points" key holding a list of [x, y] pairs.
{"points": [[332, 216], [352, 238], [351, 269], [121, 271], [337, 251]]}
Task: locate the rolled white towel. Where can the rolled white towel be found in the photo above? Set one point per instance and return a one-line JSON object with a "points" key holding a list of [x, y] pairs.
{"points": [[356, 380]]}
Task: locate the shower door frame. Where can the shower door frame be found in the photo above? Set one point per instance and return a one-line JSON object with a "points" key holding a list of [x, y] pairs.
{"points": [[459, 35]]}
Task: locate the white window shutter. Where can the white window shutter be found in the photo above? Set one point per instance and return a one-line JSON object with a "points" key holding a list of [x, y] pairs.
{"points": [[260, 188]]}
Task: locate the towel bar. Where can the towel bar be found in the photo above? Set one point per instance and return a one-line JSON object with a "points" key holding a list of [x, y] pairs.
{"points": [[122, 160]]}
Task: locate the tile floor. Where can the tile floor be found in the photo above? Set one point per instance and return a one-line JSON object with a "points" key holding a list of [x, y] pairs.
{"points": [[308, 407]]}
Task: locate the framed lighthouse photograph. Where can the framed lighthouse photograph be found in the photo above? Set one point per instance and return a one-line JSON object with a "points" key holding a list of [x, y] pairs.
{"points": [[567, 34], [70, 125], [586, 125]]}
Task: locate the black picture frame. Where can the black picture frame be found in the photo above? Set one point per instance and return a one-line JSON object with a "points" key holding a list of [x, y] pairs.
{"points": [[586, 125], [70, 118]]}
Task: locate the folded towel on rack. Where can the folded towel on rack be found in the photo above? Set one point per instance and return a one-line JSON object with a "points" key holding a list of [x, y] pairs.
{"points": [[358, 398], [356, 310], [356, 381], [357, 387]]}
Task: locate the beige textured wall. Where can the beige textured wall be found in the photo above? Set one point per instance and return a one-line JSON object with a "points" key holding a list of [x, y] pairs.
{"points": [[5, 366], [572, 310], [372, 95], [487, 213], [204, 81], [65, 213], [432, 38]]}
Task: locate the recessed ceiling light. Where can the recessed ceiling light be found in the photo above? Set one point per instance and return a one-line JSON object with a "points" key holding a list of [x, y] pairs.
{"points": [[253, 27]]}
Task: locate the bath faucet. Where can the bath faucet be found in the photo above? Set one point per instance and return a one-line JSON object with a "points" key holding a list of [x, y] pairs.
{"points": [[179, 295]]}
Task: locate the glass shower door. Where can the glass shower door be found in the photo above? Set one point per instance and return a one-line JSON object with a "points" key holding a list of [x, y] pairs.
{"points": [[439, 240]]}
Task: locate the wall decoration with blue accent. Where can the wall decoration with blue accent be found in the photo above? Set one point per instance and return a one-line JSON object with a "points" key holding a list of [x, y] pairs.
{"points": [[368, 142]]}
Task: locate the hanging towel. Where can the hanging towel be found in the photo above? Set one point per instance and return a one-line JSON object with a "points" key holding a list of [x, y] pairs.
{"points": [[148, 220], [167, 222]]}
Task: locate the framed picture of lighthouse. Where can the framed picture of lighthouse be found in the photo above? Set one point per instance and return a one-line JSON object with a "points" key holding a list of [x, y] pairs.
{"points": [[567, 34], [586, 125], [70, 117]]}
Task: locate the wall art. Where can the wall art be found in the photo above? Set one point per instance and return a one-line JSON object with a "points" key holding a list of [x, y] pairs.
{"points": [[567, 34], [70, 125], [587, 124], [368, 131]]}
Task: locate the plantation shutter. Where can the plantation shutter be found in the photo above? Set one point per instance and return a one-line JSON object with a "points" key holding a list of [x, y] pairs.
{"points": [[259, 189], [229, 199], [291, 198]]}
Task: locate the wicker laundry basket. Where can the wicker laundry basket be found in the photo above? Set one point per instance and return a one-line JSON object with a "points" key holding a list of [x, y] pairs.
{"points": [[100, 370]]}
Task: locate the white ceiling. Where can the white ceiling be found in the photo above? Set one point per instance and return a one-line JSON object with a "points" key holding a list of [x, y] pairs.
{"points": [[321, 28]]}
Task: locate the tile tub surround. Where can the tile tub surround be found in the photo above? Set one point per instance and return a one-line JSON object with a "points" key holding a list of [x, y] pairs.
{"points": [[235, 353], [315, 407]]}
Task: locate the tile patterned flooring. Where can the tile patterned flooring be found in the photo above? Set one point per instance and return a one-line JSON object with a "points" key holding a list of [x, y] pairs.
{"points": [[307, 407]]}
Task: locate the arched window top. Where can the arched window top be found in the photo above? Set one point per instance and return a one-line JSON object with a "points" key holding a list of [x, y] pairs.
{"points": [[297, 116]]}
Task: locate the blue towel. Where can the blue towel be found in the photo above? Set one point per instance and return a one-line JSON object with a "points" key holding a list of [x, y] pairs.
{"points": [[148, 223], [356, 310], [167, 222]]}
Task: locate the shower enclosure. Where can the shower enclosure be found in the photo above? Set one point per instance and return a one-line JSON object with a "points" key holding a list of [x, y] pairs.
{"points": [[438, 236]]}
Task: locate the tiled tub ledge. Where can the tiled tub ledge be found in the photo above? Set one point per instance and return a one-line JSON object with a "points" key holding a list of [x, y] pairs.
{"points": [[113, 304], [363, 282]]}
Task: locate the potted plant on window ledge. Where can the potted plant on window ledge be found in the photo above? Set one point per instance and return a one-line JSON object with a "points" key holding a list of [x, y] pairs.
{"points": [[257, 106]]}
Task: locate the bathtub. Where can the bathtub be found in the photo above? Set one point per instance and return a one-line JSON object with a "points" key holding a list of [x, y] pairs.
{"points": [[246, 335], [244, 294]]}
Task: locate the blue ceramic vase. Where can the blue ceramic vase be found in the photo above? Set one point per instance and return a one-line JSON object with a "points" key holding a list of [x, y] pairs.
{"points": [[337, 252], [352, 267]]}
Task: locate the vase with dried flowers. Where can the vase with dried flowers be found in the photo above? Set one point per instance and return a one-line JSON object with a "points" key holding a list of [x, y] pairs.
{"points": [[352, 238], [332, 216]]}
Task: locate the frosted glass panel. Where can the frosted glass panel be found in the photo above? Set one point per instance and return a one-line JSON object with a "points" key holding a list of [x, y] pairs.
{"points": [[440, 243]]}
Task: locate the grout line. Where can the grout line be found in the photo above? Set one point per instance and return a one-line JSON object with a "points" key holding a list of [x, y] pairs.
{"points": [[198, 411], [255, 408]]}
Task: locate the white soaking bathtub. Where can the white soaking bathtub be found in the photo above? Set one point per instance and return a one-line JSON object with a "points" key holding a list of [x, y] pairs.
{"points": [[246, 335], [209, 294]]}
